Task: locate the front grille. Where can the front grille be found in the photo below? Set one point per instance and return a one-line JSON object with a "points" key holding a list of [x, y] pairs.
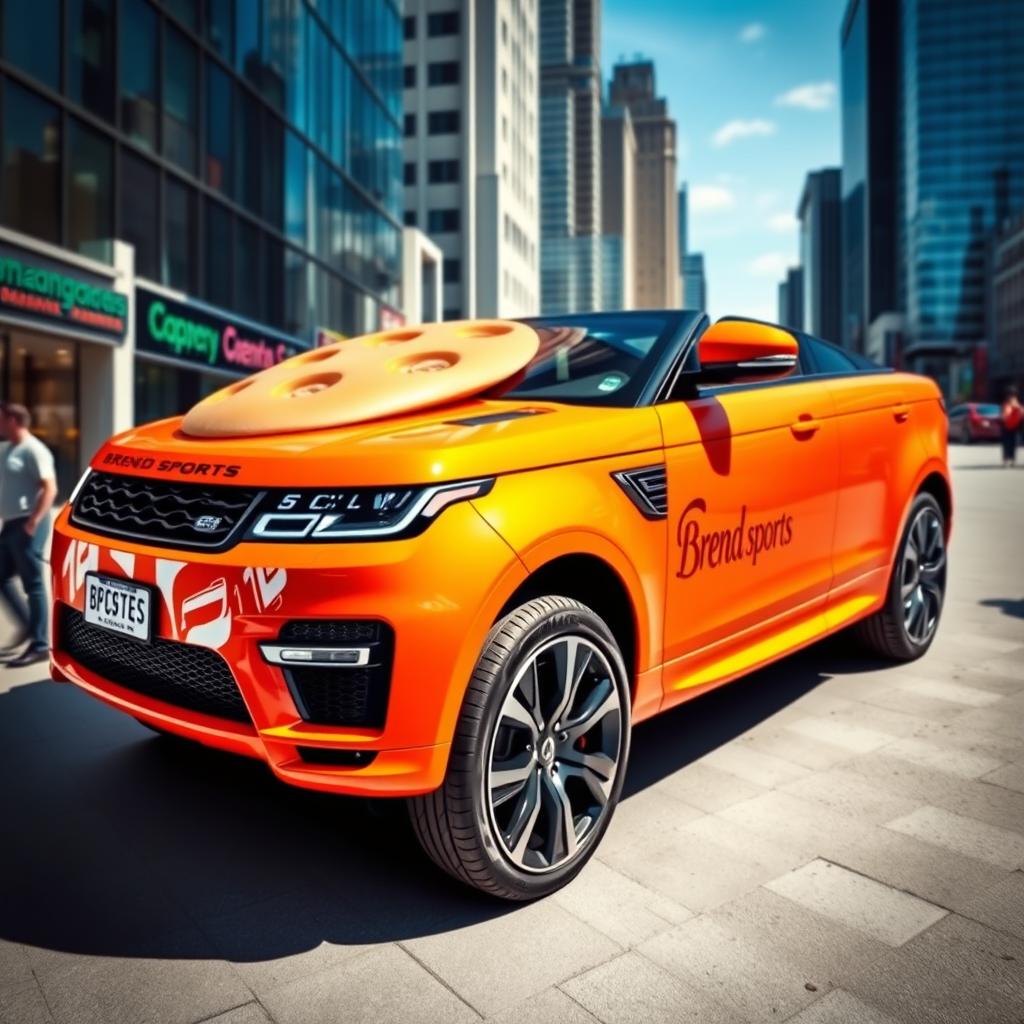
{"points": [[163, 512], [340, 694], [190, 677]]}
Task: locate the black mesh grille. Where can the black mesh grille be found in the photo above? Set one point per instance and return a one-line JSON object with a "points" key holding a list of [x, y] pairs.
{"points": [[190, 677], [162, 511], [342, 695]]}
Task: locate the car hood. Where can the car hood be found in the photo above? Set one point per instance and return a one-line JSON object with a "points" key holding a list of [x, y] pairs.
{"points": [[473, 438]]}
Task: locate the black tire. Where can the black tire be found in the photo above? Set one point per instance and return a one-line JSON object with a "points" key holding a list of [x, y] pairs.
{"points": [[456, 824], [886, 632]]}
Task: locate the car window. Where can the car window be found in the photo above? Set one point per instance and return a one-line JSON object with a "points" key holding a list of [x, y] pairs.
{"points": [[987, 410], [825, 357], [957, 410]]}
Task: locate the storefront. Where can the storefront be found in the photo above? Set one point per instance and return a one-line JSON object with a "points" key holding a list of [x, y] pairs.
{"points": [[61, 320], [184, 350]]}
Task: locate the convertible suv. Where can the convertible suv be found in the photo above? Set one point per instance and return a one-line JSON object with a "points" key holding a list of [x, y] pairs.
{"points": [[456, 563]]}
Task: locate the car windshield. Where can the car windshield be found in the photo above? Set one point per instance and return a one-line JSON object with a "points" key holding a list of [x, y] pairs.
{"points": [[597, 358], [987, 410]]}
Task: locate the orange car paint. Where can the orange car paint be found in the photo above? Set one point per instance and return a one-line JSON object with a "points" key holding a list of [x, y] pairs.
{"points": [[786, 502]]}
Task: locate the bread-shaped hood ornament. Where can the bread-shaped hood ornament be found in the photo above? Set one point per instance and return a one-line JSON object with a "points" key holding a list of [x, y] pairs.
{"points": [[367, 378]]}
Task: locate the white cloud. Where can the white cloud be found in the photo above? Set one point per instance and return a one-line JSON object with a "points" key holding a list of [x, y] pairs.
{"points": [[740, 129], [710, 199], [784, 223], [811, 96], [770, 264], [753, 32]]}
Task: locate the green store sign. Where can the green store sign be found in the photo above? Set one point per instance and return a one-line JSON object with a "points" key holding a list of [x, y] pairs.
{"points": [[203, 336], [35, 287]]}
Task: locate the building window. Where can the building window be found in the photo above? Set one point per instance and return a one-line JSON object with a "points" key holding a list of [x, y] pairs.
{"points": [[31, 34], [91, 55], [444, 72], [452, 271], [219, 129], [409, 76], [90, 191], [140, 206], [179, 239], [409, 218], [295, 171], [443, 172], [453, 313], [217, 254], [409, 174], [445, 23], [442, 221], [138, 31], [180, 116], [218, 27], [443, 122], [31, 164], [409, 27], [409, 128]]}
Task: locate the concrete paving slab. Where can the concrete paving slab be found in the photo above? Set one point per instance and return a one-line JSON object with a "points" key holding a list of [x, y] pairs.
{"points": [[23, 1003], [483, 963], [625, 911], [251, 1013], [850, 736], [854, 900], [965, 835], [708, 788], [839, 1007], [943, 757], [384, 984], [644, 817], [1000, 907], [761, 769], [1010, 776], [791, 746], [957, 971], [847, 793], [552, 1006], [954, 693], [630, 988]]}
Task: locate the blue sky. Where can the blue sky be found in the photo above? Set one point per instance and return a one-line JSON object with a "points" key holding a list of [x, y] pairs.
{"points": [[754, 89]]}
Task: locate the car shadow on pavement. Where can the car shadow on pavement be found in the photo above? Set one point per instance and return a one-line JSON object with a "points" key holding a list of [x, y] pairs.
{"points": [[120, 843], [1007, 605]]}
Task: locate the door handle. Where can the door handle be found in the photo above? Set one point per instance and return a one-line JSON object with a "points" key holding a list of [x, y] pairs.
{"points": [[805, 427], [901, 413]]}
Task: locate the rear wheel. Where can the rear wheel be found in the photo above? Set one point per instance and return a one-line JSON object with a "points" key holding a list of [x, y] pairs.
{"points": [[539, 754], [903, 629]]}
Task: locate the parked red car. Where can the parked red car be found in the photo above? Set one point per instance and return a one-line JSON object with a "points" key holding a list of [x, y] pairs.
{"points": [[974, 421]]}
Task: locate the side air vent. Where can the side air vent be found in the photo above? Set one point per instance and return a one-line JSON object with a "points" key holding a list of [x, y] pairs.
{"points": [[647, 488]]}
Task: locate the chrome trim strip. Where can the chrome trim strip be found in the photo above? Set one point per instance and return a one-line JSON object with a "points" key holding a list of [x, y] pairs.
{"points": [[274, 654]]}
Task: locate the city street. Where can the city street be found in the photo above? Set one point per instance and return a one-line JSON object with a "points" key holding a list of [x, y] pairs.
{"points": [[829, 840]]}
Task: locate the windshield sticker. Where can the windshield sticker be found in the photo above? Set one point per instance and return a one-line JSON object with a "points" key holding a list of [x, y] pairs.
{"points": [[612, 382], [708, 549]]}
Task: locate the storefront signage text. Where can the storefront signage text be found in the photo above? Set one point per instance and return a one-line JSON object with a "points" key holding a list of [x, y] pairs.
{"points": [[198, 335], [41, 291]]}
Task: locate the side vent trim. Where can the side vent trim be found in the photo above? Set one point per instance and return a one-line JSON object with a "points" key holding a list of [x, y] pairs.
{"points": [[647, 488]]}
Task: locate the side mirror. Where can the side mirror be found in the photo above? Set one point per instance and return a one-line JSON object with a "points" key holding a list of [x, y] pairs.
{"points": [[733, 351]]}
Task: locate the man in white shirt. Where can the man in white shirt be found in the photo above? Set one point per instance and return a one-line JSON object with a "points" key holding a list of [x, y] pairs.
{"points": [[28, 486]]}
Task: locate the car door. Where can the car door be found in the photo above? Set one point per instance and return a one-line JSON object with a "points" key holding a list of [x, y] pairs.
{"points": [[752, 474]]}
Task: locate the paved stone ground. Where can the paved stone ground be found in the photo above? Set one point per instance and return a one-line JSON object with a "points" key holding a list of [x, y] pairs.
{"points": [[829, 840]]}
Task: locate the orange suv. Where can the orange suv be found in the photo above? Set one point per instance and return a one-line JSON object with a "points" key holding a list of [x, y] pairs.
{"points": [[457, 563]]}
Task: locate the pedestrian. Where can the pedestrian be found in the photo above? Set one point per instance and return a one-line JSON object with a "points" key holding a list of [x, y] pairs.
{"points": [[1011, 415], [28, 486]]}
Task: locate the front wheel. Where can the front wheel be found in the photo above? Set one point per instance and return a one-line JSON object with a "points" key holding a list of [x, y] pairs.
{"points": [[539, 754], [903, 629]]}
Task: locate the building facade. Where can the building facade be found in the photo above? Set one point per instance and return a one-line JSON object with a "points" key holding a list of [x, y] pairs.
{"points": [[656, 248], [791, 299], [962, 153], [618, 209], [570, 155], [232, 169], [471, 149], [870, 172], [820, 254], [1007, 307], [695, 288]]}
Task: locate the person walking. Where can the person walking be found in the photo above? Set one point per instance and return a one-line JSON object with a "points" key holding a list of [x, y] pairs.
{"points": [[28, 486], [1011, 415]]}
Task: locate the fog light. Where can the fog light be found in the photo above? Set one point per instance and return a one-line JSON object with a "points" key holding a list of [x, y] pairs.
{"points": [[277, 654]]}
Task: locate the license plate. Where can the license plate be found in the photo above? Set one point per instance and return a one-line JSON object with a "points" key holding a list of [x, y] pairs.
{"points": [[120, 606]]}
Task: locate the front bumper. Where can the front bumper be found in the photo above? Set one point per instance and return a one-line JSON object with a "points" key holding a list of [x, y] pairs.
{"points": [[440, 592]]}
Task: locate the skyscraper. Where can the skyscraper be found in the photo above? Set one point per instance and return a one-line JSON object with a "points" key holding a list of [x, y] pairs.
{"points": [[791, 299], [656, 251], [695, 289], [684, 217], [570, 127], [962, 135], [818, 213], [471, 171], [618, 208], [870, 181]]}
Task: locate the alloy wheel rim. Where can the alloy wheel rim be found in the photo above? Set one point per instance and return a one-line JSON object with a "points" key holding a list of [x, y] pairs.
{"points": [[554, 754], [923, 576]]}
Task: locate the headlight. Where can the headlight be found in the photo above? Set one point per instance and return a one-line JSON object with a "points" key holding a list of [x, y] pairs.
{"points": [[356, 513]]}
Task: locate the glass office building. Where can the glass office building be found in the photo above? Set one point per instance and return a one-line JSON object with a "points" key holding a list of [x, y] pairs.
{"points": [[248, 150], [962, 134]]}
